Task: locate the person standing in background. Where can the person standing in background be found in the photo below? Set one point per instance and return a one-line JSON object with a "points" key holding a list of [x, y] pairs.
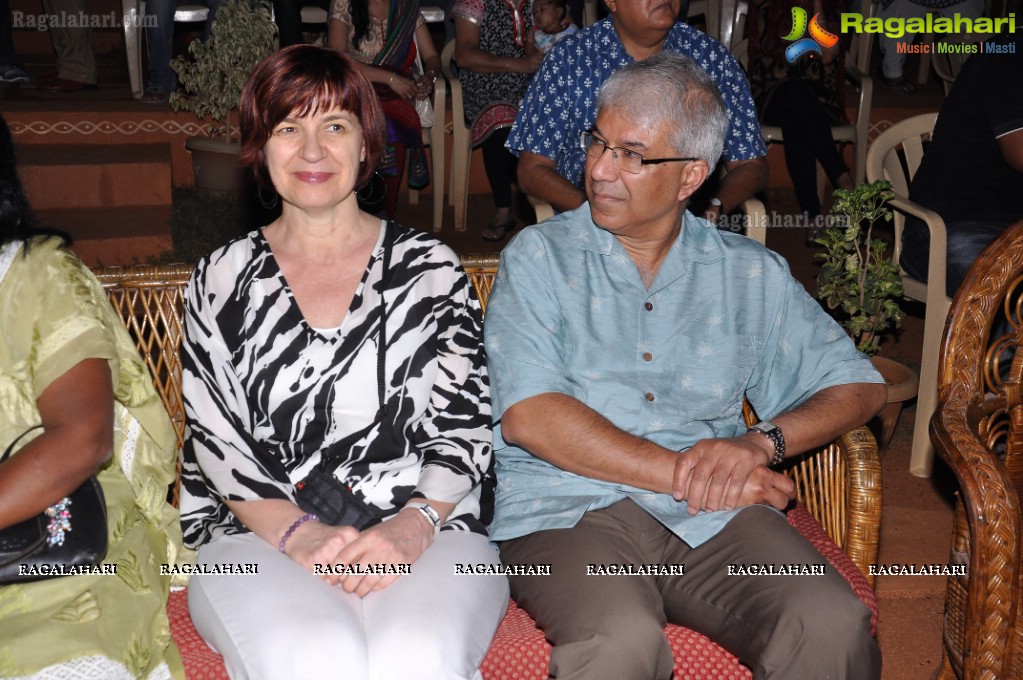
{"points": [[76, 60], [10, 72]]}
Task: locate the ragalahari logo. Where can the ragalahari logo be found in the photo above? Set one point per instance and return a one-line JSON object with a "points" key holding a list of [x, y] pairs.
{"points": [[818, 36]]}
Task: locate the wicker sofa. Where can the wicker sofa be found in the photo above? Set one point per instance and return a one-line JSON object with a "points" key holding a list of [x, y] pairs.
{"points": [[838, 487]]}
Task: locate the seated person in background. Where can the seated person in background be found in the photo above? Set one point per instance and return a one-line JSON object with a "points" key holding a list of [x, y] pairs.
{"points": [[561, 103], [288, 17], [972, 171], [383, 36], [68, 364], [550, 25], [495, 64], [621, 338], [160, 43], [804, 98], [303, 346], [893, 59]]}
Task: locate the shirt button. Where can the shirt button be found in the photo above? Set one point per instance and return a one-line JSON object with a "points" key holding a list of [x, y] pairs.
{"points": [[647, 356], [649, 396], [648, 306]]}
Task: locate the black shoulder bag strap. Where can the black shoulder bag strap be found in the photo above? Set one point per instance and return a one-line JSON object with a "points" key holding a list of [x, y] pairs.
{"points": [[331, 457], [9, 449]]}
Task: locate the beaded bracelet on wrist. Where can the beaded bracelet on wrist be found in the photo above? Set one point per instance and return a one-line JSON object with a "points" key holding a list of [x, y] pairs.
{"points": [[294, 526]]}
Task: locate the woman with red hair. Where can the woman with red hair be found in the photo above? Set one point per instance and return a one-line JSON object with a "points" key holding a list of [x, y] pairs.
{"points": [[383, 37], [338, 413]]}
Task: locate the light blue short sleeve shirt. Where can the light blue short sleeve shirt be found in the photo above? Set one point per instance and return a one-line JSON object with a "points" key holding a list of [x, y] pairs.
{"points": [[724, 317]]}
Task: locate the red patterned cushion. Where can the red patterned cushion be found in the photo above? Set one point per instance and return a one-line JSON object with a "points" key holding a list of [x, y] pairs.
{"points": [[519, 650], [201, 662]]}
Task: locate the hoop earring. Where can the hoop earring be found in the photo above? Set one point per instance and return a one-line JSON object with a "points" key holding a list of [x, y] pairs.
{"points": [[372, 190], [267, 197]]}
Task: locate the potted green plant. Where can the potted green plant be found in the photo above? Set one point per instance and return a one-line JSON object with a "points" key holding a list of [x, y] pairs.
{"points": [[212, 78], [860, 284]]}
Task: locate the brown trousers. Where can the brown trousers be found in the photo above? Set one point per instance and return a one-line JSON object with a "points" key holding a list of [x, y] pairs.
{"points": [[784, 627]]}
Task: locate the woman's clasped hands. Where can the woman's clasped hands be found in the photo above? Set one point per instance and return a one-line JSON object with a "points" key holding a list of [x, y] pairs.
{"points": [[362, 562]]}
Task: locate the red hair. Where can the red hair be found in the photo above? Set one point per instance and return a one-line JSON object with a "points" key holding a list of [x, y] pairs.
{"points": [[304, 80]]}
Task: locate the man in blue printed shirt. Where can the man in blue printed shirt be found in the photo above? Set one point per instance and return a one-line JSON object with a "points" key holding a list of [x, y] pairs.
{"points": [[562, 102], [621, 338]]}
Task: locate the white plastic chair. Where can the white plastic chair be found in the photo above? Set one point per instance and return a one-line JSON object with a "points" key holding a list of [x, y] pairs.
{"points": [[885, 162], [133, 11], [947, 65], [434, 138], [461, 152]]}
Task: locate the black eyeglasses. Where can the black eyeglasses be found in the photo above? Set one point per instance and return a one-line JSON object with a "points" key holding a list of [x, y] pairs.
{"points": [[624, 159]]}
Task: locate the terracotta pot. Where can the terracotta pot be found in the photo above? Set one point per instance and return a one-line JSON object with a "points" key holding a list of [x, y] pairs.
{"points": [[216, 165], [902, 386]]}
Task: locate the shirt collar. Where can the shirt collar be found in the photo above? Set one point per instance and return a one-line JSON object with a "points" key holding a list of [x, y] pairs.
{"points": [[698, 243]]}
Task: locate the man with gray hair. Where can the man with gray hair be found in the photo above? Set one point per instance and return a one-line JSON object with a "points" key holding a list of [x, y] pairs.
{"points": [[621, 338]]}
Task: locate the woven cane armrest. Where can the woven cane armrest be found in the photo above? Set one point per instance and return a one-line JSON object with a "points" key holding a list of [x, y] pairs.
{"points": [[840, 485], [978, 431]]}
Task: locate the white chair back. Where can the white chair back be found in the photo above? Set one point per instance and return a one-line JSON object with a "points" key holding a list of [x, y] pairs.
{"points": [[895, 156]]}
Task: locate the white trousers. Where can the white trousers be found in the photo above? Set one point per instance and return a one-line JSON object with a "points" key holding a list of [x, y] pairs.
{"points": [[284, 622]]}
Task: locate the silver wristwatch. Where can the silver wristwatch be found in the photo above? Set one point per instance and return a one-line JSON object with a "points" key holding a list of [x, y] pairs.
{"points": [[772, 432], [428, 512]]}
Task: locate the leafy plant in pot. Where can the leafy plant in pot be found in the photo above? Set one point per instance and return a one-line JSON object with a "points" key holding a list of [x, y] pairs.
{"points": [[860, 284], [212, 78]]}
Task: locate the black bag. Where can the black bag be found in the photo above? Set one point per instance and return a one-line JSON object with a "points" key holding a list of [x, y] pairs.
{"points": [[332, 501], [72, 533]]}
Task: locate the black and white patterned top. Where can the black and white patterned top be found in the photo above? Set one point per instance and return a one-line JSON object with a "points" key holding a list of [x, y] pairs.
{"points": [[265, 393]]}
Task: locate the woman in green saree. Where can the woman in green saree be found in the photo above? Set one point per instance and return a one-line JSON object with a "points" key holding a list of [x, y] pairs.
{"points": [[67, 363]]}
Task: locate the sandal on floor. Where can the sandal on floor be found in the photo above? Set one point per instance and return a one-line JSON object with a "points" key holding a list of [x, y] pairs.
{"points": [[899, 85], [497, 232], [154, 95]]}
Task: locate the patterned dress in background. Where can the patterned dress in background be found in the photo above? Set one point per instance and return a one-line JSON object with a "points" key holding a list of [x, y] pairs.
{"points": [[265, 393], [492, 99]]}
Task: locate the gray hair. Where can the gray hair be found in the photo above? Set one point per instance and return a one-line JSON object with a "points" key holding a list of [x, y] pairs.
{"points": [[669, 87]]}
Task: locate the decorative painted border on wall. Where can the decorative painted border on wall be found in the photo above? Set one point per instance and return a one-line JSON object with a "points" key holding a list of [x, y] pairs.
{"points": [[132, 127]]}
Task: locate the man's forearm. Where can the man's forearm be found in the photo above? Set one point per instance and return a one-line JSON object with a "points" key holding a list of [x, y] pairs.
{"points": [[721, 474], [568, 434], [828, 414], [742, 181], [538, 177]]}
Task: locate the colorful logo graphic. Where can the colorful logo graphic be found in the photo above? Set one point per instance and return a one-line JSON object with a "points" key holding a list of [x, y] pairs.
{"points": [[818, 36]]}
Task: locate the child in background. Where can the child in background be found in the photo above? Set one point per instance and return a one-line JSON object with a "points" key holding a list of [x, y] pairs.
{"points": [[551, 23]]}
